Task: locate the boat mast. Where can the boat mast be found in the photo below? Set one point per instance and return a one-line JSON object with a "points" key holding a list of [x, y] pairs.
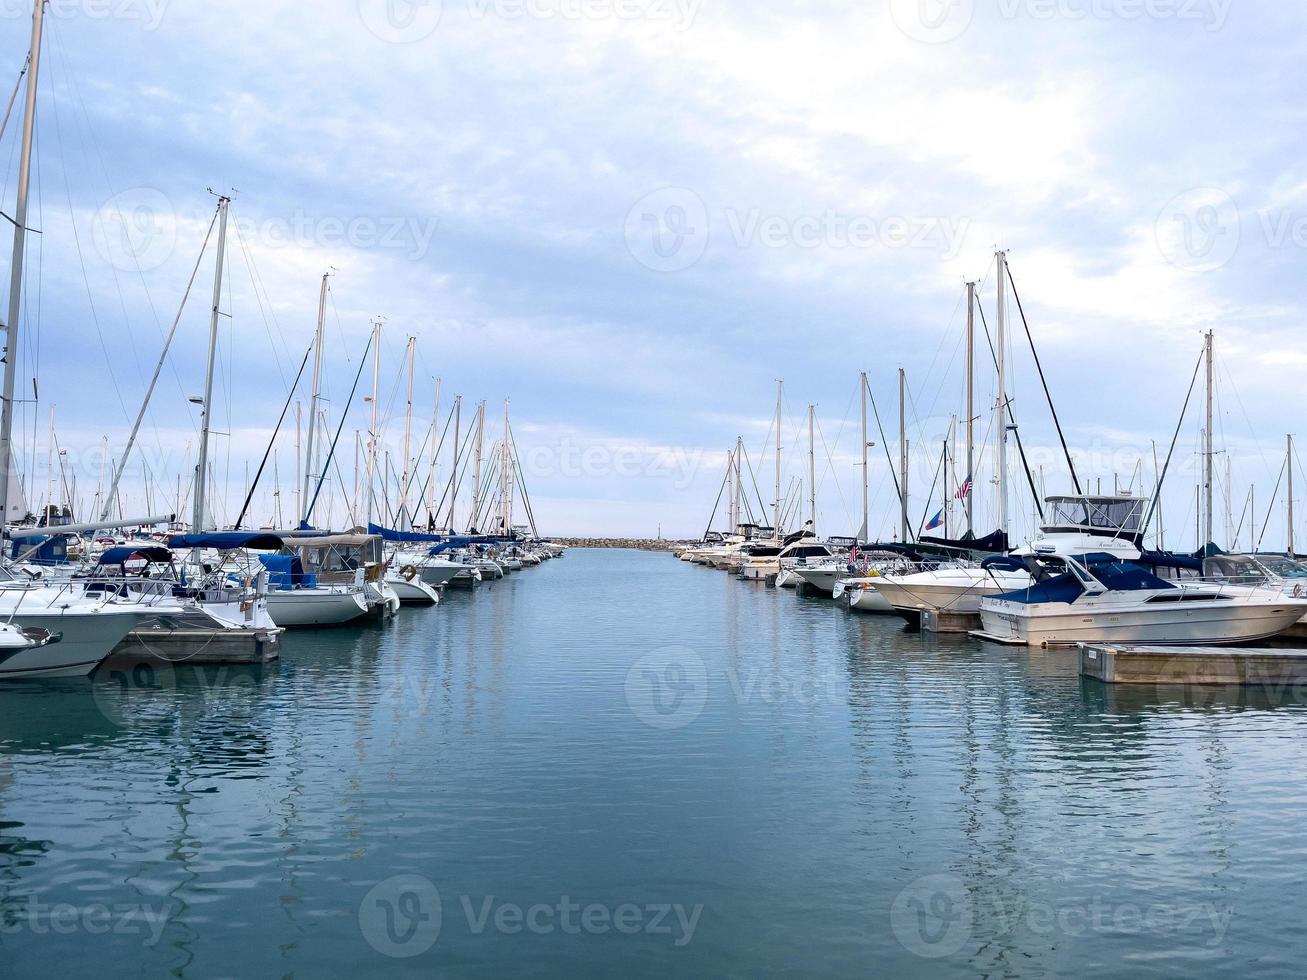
{"points": [[504, 496], [1207, 447], [511, 462], [16, 272], [476, 466], [408, 436], [971, 400], [812, 473], [431, 472], [730, 489], [1289, 465], [862, 382], [309, 473], [903, 457], [1000, 441], [372, 430], [453, 475], [776, 510], [202, 462], [739, 481]]}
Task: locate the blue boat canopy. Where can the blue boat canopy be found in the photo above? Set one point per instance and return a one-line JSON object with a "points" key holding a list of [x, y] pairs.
{"points": [[227, 540], [125, 553], [286, 571]]}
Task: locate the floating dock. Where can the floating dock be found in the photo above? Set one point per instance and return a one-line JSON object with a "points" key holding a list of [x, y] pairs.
{"points": [[944, 621], [202, 646], [1124, 664]]}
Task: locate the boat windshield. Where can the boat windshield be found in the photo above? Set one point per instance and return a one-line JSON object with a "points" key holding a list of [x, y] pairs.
{"points": [[1285, 567], [1235, 569], [1123, 514]]}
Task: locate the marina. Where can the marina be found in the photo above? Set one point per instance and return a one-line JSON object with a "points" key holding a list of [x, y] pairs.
{"points": [[648, 490]]}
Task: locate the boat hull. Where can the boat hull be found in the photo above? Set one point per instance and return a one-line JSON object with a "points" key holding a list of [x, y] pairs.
{"points": [[311, 607], [869, 599], [1173, 623], [85, 639]]}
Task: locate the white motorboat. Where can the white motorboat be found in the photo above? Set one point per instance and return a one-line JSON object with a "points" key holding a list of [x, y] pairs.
{"points": [[322, 605], [1104, 598], [81, 631], [865, 597]]}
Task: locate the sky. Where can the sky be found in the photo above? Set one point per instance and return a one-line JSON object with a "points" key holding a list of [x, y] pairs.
{"points": [[631, 218]]}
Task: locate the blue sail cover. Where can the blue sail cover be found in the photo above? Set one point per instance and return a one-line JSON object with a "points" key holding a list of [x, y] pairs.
{"points": [[227, 540], [389, 534], [123, 554]]}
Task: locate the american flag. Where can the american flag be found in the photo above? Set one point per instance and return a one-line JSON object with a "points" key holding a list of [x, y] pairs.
{"points": [[964, 491]]}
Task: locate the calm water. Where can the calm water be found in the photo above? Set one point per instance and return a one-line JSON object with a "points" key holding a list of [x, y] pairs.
{"points": [[620, 762]]}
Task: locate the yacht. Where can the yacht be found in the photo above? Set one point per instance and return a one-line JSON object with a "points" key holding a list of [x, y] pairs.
{"points": [[1105, 598], [1076, 525]]}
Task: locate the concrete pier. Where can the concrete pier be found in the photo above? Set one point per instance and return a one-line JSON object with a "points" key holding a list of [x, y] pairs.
{"points": [[1122, 664]]}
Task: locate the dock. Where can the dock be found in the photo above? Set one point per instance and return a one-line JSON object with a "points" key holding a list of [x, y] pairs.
{"points": [[201, 646], [1125, 664], [944, 621]]}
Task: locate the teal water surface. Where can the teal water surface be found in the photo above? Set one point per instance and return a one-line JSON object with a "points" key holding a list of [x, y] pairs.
{"points": [[618, 762]]}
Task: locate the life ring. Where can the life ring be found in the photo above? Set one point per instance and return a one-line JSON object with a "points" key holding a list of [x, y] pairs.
{"points": [[408, 573]]}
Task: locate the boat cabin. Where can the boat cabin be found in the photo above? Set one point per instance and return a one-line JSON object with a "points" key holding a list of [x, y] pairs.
{"points": [[1119, 516]]}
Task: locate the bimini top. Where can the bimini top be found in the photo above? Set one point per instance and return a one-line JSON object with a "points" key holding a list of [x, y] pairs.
{"points": [[123, 554], [227, 540]]}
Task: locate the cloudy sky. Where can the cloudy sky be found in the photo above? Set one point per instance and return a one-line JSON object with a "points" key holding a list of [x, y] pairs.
{"points": [[632, 217]]}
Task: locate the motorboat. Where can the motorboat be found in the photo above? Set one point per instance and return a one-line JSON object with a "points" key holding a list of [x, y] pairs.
{"points": [[1075, 525], [1104, 598]]}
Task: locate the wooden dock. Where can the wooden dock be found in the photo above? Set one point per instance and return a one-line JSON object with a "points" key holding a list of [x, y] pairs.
{"points": [[1124, 664]]}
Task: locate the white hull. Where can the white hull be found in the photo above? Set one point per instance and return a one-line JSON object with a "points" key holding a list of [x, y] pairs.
{"points": [[1214, 621], [788, 579], [415, 592], [869, 599], [822, 579], [950, 590], [316, 607], [86, 637]]}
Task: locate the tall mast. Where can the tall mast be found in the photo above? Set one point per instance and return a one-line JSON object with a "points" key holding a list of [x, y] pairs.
{"points": [[373, 434], [730, 489], [1207, 446], [776, 510], [431, 473], [812, 471], [309, 462], [202, 462], [505, 496], [511, 463], [408, 436], [16, 273], [1288, 442], [903, 456], [1000, 435], [971, 401], [453, 474], [739, 480], [862, 383], [476, 466]]}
